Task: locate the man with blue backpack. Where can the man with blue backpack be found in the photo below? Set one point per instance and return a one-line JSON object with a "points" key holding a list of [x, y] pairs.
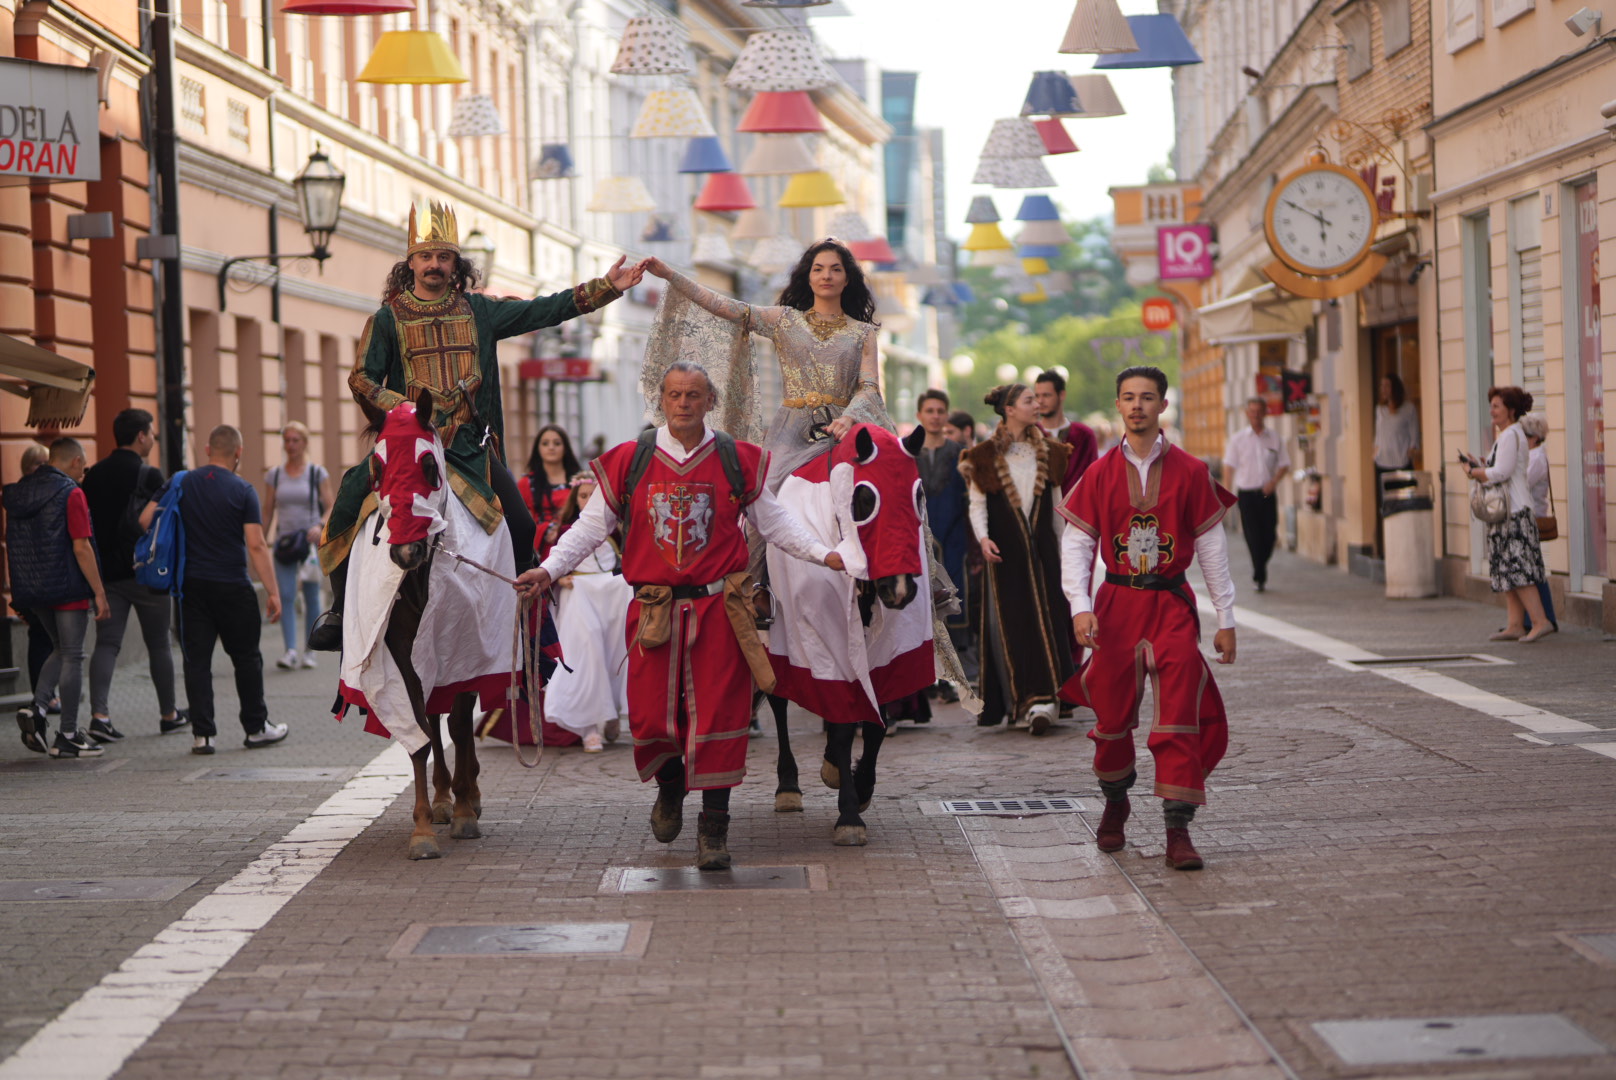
{"points": [[220, 530]]}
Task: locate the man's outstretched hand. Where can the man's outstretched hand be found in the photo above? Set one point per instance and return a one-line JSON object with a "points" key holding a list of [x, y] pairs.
{"points": [[625, 278], [532, 582]]}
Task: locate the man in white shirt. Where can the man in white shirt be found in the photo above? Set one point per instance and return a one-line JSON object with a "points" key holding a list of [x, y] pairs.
{"points": [[1253, 464]]}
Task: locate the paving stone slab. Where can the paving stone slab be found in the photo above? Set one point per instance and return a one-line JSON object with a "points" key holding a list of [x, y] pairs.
{"points": [[1457, 1039], [524, 939], [72, 889]]}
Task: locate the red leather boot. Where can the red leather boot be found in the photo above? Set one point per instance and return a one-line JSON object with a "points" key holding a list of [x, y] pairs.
{"points": [[1109, 834]]}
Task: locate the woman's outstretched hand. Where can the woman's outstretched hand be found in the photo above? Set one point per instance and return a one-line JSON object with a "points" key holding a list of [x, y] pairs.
{"points": [[655, 267]]}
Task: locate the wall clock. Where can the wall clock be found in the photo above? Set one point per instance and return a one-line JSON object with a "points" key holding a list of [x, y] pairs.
{"points": [[1320, 222]]}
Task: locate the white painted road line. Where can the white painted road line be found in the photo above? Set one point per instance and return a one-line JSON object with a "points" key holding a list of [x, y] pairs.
{"points": [[94, 1036]]}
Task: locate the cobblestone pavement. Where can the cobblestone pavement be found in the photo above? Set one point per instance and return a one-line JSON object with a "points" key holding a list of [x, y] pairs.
{"points": [[1374, 851]]}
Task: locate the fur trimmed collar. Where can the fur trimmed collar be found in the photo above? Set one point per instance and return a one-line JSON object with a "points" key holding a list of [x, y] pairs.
{"points": [[985, 466]]}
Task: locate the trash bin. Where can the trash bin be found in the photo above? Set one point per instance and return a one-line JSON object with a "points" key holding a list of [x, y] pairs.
{"points": [[1409, 526]]}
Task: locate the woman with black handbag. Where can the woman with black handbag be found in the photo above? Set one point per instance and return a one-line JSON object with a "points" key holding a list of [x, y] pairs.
{"points": [[297, 495], [1503, 501]]}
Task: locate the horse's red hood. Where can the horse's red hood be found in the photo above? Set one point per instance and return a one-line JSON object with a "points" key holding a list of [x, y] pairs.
{"points": [[407, 473]]}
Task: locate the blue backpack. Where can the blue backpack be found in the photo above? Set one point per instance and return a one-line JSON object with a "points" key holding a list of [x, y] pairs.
{"points": [[160, 551]]}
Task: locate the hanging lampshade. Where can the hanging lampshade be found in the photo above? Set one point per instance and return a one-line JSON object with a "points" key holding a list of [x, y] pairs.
{"points": [[1051, 94], [1037, 208], [778, 155], [927, 274], [1043, 232], [1162, 43], [753, 225], [705, 154], [982, 210], [659, 230], [993, 257], [1099, 97], [1012, 275], [347, 7], [876, 250], [1036, 296], [785, 111], [1037, 251], [1035, 265], [1058, 283], [724, 192], [672, 114], [1013, 173], [651, 45], [986, 236], [1013, 137], [963, 292], [776, 253], [938, 296], [811, 189], [711, 248], [555, 162], [849, 227], [1098, 26], [1057, 140], [775, 60], [621, 195], [474, 115], [412, 58]]}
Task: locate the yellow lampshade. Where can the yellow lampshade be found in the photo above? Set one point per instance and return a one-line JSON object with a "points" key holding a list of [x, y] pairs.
{"points": [[986, 236], [813, 189], [412, 57], [1038, 296], [1035, 266]]}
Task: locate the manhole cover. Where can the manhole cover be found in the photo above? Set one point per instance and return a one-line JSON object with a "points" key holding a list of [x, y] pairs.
{"points": [[1438, 660], [283, 774], [645, 879], [139, 888], [1456, 1038], [1019, 805], [524, 939]]}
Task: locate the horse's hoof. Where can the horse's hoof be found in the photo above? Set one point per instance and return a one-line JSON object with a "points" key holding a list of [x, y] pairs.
{"points": [[477, 805], [424, 847], [831, 775], [465, 829], [442, 812], [788, 802], [850, 836]]}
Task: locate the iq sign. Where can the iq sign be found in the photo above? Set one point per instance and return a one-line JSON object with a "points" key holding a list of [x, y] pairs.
{"points": [[1184, 252]]}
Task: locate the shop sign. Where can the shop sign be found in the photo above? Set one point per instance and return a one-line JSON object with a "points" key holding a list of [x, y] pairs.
{"points": [[1157, 314], [1590, 368], [559, 368], [1184, 252], [49, 121]]}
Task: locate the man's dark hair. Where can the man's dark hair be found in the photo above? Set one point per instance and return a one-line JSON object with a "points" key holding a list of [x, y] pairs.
{"points": [[129, 425], [402, 279], [932, 394], [1143, 371], [1054, 378], [964, 421]]}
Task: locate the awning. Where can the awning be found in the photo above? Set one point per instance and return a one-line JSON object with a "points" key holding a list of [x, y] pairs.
{"points": [[57, 388], [1260, 314]]}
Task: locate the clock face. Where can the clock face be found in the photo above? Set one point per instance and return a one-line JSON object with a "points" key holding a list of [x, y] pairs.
{"points": [[1321, 220]]}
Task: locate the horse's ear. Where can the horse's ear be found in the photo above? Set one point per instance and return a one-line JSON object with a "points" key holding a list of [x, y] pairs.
{"points": [[423, 408], [375, 416], [863, 446]]}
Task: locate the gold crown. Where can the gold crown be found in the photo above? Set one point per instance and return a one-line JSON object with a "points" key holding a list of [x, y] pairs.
{"points": [[442, 230]]}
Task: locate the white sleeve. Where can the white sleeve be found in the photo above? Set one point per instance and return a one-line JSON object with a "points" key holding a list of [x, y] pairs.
{"points": [[1212, 552], [1282, 460], [1077, 568], [978, 511], [1411, 421], [781, 528], [580, 541], [1231, 460], [1505, 459]]}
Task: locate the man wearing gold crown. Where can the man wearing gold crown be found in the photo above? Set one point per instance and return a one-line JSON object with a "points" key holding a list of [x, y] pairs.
{"points": [[432, 332]]}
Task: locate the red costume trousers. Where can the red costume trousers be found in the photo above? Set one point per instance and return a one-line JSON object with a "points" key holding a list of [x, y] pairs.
{"points": [[1152, 635], [691, 697]]}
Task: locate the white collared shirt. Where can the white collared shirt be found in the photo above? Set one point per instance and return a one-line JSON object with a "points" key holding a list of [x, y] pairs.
{"points": [[1253, 457]]}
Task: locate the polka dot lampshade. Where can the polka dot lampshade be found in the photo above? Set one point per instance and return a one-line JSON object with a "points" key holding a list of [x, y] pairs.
{"points": [[779, 60], [651, 45]]}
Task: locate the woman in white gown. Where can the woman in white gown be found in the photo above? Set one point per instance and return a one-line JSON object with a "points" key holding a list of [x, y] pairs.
{"points": [[589, 692]]}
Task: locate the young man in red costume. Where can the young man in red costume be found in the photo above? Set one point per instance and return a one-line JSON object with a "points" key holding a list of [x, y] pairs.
{"points": [[1150, 510], [685, 553]]}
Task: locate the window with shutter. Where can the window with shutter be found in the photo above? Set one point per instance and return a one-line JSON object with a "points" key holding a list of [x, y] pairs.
{"points": [[1505, 11], [1464, 23]]}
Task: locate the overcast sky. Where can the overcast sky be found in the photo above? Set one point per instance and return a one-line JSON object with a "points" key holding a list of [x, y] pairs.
{"points": [[975, 59]]}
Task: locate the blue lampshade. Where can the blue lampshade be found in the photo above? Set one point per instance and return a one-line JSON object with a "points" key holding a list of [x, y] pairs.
{"points": [[1038, 251], [1161, 44], [705, 154], [555, 162], [964, 293], [1051, 94], [939, 296], [1037, 208]]}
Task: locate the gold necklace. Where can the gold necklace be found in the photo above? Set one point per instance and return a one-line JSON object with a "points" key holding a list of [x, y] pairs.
{"points": [[823, 326]]}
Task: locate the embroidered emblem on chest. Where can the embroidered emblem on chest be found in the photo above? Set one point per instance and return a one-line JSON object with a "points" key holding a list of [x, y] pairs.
{"points": [[681, 518], [1144, 547]]}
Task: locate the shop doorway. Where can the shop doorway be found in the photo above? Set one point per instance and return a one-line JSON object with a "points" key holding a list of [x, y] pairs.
{"points": [[1394, 351]]}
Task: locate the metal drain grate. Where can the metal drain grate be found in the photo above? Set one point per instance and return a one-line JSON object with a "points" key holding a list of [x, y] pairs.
{"points": [[1019, 805], [1438, 660], [1457, 1038]]}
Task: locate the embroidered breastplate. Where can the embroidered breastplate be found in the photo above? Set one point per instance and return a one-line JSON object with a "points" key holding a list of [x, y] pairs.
{"points": [[438, 345]]}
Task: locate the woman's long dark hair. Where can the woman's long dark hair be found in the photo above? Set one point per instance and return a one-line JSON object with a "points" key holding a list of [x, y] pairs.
{"points": [[402, 279], [539, 479], [857, 301]]}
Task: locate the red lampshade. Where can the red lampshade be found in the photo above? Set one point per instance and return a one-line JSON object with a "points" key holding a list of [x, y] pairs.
{"points": [[725, 191], [1056, 139], [787, 111], [346, 7], [876, 250]]}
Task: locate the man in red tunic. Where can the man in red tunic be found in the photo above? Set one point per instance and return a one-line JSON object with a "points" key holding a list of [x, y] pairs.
{"points": [[1049, 390], [1151, 510], [685, 553]]}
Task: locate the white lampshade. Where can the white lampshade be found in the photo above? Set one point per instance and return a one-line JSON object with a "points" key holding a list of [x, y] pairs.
{"points": [[1098, 96], [473, 115], [994, 257], [757, 224], [927, 274], [777, 253], [1058, 283], [621, 195], [1098, 26], [778, 155], [652, 45], [1013, 173], [711, 248], [1014, 137], [849, 227], [672, 114], [1040, 233], [778, 60]]}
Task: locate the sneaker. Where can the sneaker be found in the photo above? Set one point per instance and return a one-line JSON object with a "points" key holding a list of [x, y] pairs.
{"points": [[35, 730], [308, 661], [272, 734], [202, 744], [102, 731], [75, 745], [180, 722], [287, 662]]}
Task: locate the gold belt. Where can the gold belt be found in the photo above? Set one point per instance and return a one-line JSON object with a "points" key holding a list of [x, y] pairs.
{"points": [[814, 401]]}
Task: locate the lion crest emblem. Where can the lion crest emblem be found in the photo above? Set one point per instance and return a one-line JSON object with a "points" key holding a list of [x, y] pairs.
{"points": [[1143, 548]]}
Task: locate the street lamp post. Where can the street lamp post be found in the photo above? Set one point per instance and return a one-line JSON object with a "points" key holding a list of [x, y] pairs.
{"points": [[319, 195], [481, 247]]}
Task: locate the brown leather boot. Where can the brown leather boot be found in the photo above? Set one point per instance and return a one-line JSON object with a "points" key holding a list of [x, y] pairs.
{"points": [[1181, 854], [712, 841], [668, 812], [1109, 834]]}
